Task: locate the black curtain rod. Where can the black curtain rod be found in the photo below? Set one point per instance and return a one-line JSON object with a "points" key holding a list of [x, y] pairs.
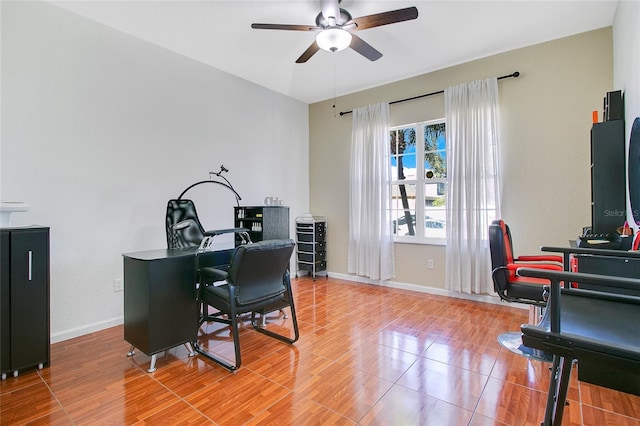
{"points": [[514, 75]]}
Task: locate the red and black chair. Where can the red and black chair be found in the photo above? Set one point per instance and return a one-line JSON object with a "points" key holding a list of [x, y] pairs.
{"points": [[509, 286]]}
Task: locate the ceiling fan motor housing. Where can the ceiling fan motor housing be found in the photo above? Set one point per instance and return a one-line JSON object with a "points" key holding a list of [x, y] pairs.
{"points": [[323, 22]]}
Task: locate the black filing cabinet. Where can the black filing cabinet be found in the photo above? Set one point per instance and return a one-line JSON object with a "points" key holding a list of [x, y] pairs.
{"points": [[24, 299], [311, 238]]}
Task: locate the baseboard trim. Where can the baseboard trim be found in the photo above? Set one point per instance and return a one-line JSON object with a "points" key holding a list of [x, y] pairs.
{"points": [[495, 300], [101, 325], [85, 329]]}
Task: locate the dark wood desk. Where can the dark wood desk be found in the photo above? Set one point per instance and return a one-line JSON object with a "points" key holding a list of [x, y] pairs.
{"points": [[160, 307], [598, 329]]}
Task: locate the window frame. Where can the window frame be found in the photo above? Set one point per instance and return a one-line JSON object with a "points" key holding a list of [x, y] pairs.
{"points": [[419, 182]]}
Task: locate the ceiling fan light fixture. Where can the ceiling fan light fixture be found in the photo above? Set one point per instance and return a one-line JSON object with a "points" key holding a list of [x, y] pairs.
{"points": [[333, 39]]}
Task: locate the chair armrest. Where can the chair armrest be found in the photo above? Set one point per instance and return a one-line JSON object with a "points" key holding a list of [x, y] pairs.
{"points": [[548, 266], [540, 258], [215, 232], [210, 275]]}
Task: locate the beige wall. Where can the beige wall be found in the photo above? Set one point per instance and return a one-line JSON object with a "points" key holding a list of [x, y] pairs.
{"points": [[546, 119]]}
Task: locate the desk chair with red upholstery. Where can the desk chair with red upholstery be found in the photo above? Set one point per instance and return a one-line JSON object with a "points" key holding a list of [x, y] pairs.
{"points": [[507, 284]]}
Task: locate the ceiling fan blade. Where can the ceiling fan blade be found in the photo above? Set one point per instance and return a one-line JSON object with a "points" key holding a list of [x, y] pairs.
{"points": [[364, 48], [385, 18], [311, 50], [330, 9], [284, 27]]}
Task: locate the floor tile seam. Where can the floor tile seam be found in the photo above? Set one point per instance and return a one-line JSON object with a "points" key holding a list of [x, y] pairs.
{"points": [[305, 397], [93, 376], [60, 404], [65, 408], [491, 344], [72, 371], [331, 362], [543, 392], [357, 421], [485, 377], [423, 355], [11, 389], [583, 404], [337, 361], [475, 408], [188, 404], [420, 355], [373, 406], [439, 399], [496, 422]]}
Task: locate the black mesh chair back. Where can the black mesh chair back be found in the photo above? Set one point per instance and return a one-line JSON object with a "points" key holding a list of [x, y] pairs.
{"points": [[182, 224]]}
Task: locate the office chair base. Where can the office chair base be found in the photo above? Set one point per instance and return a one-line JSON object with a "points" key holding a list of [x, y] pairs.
{"points": [[513, 342]]}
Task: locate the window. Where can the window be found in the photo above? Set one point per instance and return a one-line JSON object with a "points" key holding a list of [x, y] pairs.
{"points": [[418, 187]]}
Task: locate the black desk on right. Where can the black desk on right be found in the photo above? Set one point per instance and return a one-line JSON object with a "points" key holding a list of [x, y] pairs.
{"points": [[617, 263], [598, 329]]}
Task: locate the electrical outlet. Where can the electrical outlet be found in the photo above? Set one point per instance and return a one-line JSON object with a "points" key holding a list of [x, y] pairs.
{"points": [[117, 285], [429, 263]]}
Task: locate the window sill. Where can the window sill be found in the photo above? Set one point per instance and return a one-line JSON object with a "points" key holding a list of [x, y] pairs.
{"points": [[424, 241]]}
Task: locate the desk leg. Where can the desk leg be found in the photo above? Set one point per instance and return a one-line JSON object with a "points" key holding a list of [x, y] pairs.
{"points": [[551, 395], [189, 348], [152, 366], [558, 386]]}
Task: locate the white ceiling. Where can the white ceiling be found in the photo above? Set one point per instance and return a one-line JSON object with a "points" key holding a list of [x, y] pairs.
{"points": [[446, 33]]}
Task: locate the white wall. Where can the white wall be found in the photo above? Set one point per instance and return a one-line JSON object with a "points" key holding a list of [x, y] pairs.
{"points": [[626, 58], [626, 66], [100, 129]]}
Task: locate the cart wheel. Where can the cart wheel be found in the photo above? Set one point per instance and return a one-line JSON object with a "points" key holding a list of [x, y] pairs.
{"points": [[40, 366], [4, 376], [15, 373]]}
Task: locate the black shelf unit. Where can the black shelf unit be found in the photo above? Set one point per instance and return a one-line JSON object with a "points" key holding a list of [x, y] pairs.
{"points": [[263, 222], [24, 299], [608, 176], [311, 239]]}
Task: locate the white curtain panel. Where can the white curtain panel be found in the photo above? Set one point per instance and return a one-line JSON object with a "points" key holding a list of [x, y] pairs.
{"points": [[370, 238], [473, 197]]}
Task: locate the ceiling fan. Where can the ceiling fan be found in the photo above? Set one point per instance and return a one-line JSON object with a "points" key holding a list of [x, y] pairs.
{"points": [[334, 28]]}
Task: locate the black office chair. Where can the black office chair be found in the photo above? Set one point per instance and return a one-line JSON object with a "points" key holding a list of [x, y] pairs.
{"points": [[182, 225], [258, 282]]}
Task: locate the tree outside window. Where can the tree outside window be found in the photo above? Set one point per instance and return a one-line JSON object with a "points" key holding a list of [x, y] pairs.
{"points": [[419, 180]]}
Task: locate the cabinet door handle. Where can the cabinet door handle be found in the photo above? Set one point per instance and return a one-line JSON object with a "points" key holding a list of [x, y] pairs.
{"points": [[30, 264]]}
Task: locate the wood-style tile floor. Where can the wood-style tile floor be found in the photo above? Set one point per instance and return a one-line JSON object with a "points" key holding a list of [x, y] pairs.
{"points": [[367, 355]]}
